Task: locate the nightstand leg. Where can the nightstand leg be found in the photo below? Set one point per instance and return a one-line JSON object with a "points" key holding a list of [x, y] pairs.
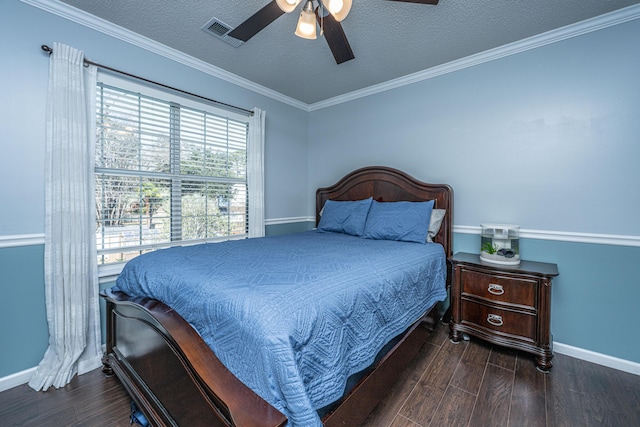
{"points": [[454, 336], [543, 363]]}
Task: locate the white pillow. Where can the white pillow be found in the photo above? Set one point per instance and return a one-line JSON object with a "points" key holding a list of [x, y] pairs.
{"points": [[437, 215]]}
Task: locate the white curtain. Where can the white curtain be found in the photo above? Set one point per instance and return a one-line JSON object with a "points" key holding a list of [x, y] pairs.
{"points": [[255, 173], [71, 283]]}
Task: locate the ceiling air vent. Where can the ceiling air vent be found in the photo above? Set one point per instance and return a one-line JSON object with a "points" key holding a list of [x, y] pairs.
{"points": [[219, 30]]}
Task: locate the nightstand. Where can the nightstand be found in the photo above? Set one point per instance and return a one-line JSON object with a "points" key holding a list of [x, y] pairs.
{"points": [[503, 304]]}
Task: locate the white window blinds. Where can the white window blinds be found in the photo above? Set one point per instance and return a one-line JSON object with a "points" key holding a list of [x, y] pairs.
{"points": [[166, 173]]}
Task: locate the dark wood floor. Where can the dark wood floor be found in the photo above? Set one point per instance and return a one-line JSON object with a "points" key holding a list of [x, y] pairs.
{"points": [[468, 384]]}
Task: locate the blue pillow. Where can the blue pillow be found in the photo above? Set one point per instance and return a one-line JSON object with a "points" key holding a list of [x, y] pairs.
{"points": [[346, 217], [405, 221]]}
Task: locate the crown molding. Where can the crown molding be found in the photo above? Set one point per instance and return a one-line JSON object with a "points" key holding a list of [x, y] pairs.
{"points": [[78, 16], [594, 24], [63, 10]]}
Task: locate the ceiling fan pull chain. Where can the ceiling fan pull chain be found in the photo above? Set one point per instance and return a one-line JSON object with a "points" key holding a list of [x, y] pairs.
{"points": [[322, 12]]}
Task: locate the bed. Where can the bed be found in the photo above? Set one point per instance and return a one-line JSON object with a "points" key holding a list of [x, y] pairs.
{"points": [[174, 376]]}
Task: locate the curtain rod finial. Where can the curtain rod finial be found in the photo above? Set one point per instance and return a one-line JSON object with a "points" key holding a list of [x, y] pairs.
{"points": [[46, 49]]}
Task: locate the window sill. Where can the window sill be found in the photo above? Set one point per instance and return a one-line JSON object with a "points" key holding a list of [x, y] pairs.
{"points": [[109, 273]]}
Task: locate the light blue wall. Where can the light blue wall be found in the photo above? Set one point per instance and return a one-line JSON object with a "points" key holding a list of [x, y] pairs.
{"points": [[547, 138], [23, 83], [288, 228], [23, 321]]}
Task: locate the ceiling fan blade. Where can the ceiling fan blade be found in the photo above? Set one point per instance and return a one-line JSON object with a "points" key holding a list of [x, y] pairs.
{"points": [[336, 38], [434, 2], [257, 22]]}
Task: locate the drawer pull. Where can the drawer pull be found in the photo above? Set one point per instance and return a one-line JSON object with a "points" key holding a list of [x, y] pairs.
{"points": [[495, 289], [495, 320]]}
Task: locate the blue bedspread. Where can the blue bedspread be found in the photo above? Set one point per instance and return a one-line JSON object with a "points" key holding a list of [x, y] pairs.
{"points": [[294, 316]]}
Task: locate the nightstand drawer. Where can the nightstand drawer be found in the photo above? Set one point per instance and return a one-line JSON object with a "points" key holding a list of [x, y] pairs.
{"points": [[502, 321], [499, 288]]}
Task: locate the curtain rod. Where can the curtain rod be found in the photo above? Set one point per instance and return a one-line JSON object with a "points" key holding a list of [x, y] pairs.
{"points": [[87, 62]]}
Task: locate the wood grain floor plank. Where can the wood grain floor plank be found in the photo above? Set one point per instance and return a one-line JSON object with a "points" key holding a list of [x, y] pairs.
{"points": [[565, 403], [422, 404], [454, 409], [426, 396], [506, 357], [625, 390], [494, 398], [401, 421], [386, 410], [89, 400], [470, 371], [528, 395], [596, 396]]}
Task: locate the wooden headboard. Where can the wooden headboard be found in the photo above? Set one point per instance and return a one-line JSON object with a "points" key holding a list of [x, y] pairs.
{"points": [[386, 184]]}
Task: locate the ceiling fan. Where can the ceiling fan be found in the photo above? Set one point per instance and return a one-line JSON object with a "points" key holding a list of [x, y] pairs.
{"points": [[327, 14]]}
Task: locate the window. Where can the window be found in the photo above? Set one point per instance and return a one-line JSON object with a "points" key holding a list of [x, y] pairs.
{"points": [[168, 172]]}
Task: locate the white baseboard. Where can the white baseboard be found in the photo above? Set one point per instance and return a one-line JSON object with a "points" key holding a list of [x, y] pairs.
{"points": [[598, 358], [16, 379], [23, 377]]}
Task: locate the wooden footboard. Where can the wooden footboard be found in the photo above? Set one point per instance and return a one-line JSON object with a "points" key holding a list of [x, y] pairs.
{"points": [[171, 373], [175, 378]]}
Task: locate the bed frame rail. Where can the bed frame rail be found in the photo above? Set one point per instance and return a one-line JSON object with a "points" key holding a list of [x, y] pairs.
{"points": [[354, 408]]}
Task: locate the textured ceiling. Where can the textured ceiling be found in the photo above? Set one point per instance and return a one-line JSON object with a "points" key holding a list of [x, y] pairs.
{"points": [[389, 39]]}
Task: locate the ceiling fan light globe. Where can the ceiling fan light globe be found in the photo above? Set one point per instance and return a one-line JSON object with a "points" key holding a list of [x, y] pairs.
{"points": [[306, 27], [288, 6], [335, 6], [338, 8]]}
